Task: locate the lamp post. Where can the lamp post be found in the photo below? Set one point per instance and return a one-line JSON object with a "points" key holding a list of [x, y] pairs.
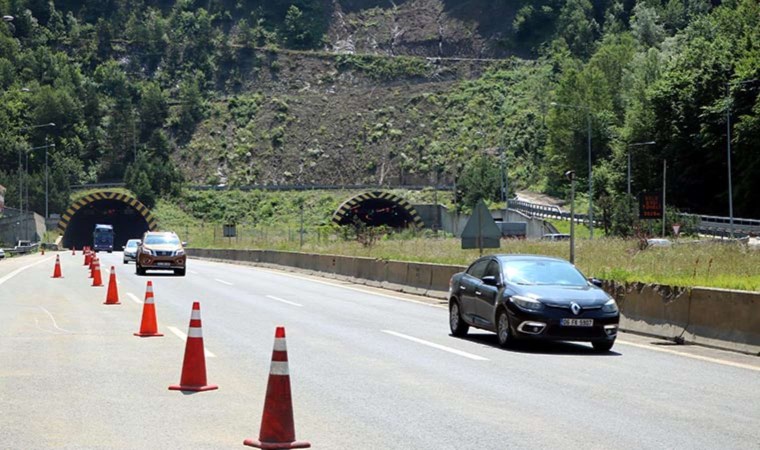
{"points": [[570, 175], [637, 144], [590, 172], [728, 151], [26, 172]]}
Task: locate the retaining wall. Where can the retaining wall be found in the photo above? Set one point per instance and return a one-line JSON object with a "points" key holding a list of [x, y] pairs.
{"points": [[713, 317]]}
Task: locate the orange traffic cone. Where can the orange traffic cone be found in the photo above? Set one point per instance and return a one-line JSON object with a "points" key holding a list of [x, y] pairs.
{"points": [[57, 270], [112, 296], [148, 326], [277, 428], [93, 260], [194, 366], [87, 258], [97, 280]]}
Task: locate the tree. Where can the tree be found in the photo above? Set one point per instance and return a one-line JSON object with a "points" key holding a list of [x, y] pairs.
{"points": [[480, 180]]}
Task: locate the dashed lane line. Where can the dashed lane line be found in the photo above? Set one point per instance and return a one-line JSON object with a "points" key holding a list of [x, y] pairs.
{"points": [[223, 282], [690, 355], [283, 300], [134, 298], [434, 345], [183, 336]]}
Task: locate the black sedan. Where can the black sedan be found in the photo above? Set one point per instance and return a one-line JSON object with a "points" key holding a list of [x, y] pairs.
{"points": [[531, 297]]}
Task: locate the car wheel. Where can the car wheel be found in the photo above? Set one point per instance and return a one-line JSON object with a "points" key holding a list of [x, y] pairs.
{"points": [[503, 332], [603, 346], [456, 324], [125, 261], [180, 272]]}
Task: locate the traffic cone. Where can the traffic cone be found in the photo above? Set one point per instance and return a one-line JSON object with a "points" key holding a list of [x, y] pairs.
{"points": [[112, 296], [93, 260], [97, 280], [194, 366], [57, 270], [148, 326], [86, 254], [277, 428]]}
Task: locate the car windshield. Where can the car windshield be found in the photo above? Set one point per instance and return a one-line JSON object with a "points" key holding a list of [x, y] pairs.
{"points": [[543, 272], [162, 239], [131, 244]]}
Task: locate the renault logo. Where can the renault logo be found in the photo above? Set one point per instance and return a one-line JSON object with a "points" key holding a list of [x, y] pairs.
{"points": [[575, 308]]}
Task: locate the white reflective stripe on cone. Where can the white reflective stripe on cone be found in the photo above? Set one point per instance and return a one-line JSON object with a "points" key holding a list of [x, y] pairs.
{"points": [[195, 315], [279, 345], [195, 332], [149, 301], [279, 368]]}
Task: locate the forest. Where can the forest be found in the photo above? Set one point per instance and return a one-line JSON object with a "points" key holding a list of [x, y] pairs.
{"points": [[134, 86]]}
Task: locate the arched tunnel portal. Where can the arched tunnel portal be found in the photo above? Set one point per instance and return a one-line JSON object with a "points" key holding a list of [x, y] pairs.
{"points": [[378, 208], [129, 217]]}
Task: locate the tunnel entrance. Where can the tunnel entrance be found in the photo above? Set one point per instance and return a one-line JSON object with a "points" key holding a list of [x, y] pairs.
{"points": [[129, 217], [378, 208]]}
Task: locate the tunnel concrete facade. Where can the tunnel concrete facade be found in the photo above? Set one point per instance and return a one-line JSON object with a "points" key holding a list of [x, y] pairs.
{"points": [[378, 208], [129, 217]]}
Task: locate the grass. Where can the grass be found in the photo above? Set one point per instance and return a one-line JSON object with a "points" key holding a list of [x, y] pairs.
{"points": [[707, 263]]}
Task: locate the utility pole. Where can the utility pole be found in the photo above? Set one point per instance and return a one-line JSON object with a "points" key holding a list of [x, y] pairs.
{"points": [[571, 176], [664, 176]]}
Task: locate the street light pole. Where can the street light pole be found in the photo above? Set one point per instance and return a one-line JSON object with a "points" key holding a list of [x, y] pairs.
{"points": [[590, 170], [728, 152], [571, 176]]}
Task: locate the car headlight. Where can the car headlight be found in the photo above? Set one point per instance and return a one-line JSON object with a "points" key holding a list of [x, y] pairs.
{"points": [[527, 303], [148, 251], [179, 253], [611, 306]]}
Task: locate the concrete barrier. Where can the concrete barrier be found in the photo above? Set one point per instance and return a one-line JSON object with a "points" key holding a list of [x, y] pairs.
{"points": [[713, 317]]}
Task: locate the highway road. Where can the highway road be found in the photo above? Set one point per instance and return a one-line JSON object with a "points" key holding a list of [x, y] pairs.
{"points": [[370, 369]]}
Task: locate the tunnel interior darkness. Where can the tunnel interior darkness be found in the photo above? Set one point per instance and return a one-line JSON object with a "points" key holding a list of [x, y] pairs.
{"points": [[376, 211], [127, 223]]}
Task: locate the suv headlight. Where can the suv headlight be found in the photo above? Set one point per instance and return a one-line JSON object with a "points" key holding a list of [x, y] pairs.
{"points": [[179, 253], [148, 251], [610, 307], [527, 303]]}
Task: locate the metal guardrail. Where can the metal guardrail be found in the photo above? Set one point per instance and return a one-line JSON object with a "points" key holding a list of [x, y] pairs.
{"points": [[96, 185], [709, 225]]}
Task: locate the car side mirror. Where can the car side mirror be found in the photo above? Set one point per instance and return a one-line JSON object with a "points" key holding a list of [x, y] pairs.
{"points": [[184, 244], [595, 282], [491, 280]]}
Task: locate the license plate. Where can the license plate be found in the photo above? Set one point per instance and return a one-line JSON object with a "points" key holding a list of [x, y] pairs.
{"points": [[577, 322], [163, 264]]}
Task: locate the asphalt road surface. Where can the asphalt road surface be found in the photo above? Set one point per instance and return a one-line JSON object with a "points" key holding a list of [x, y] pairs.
{"points": [[370, 369]]}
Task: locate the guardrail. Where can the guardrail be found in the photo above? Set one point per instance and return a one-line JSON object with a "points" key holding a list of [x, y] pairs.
{"points": [[709, 225]]}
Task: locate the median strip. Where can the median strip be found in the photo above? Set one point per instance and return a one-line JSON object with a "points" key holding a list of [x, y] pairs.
{"points": [[434, 345], [183, 336]]}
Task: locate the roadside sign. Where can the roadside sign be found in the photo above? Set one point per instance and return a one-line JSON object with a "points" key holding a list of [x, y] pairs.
{"points": [[676, 228], [650, 205], [481, 230]]}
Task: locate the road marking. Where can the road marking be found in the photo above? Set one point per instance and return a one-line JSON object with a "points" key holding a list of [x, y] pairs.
{"points": [[183, 336], [438, 346], [689, 355], [350, 288], [134, 298], [283, 300], [21, 269], [223, 282], [55, 324]]}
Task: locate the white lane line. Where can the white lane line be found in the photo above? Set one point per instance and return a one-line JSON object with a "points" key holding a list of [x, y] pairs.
{"points": [[283, 300], [55, 324], [689, 355], [223, 282], [21, 269], [351, 288], [434, 345], [183, 336], [134, 298]]}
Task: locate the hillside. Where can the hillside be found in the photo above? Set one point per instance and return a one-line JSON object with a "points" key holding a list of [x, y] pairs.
{"points": [[164, 93]]}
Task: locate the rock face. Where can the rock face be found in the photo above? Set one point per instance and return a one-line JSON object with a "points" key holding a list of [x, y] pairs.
{"points": [[429, 28]]}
